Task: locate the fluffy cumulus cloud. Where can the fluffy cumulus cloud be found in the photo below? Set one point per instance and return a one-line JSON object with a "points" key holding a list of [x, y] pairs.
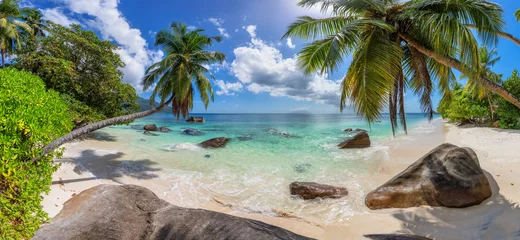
{"points": [[262, 68], [290, 44], [105, 17], [228, 88], [56, 15], [218, 22]]}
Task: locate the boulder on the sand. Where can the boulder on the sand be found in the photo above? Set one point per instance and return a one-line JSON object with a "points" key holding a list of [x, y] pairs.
{"points": [[310, 190], [395, 237], [151, 127], [164, 129], [215, 142], [448, 176], [359, 140], [132, 212], [192, 132], [196, 119]]}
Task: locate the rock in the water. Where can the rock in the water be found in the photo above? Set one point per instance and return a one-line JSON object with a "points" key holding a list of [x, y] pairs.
{"points": [[447, 176], [149, 133], [360, 140], [354, 130], [215, 142], [121, 212], [275, 131], [301, 168], [164, 129], [310, 190], [245, 138], [192, 132], [207, 156], [196, 119], [151, 127], [348, 130]]}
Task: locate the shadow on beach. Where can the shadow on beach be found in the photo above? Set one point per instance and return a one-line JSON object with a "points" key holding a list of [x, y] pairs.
{"points": [[110, 166], [495, 218]]}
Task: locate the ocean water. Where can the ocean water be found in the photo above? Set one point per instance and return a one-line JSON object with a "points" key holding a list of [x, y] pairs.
{"points": [[253, 172]]}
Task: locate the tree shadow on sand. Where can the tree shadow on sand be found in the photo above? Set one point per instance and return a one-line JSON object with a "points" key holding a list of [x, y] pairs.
{"points": [[495, 218], [112, 166]]}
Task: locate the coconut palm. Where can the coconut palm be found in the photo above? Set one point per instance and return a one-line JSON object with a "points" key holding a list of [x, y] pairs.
{"points": [[398, 44], [183, 69], [174, 78], [10, 25], [488, 58], [34, 18], [517, 15]]}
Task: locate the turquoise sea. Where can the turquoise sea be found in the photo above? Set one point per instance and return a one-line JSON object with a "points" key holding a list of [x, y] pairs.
{"points": [[267, 152]]}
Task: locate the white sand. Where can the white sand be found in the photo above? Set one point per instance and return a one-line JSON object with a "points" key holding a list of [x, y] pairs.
{"points": [[496, 218]]}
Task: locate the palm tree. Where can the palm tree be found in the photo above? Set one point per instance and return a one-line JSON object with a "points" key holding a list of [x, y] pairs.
{"points": [[34, 18], [487, 60], [9, 28], [177, 75], [517, 15], [395, 45], [183, 69]]}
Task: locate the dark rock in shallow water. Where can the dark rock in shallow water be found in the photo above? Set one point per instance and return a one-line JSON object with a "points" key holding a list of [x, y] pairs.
{"points": [[121, 212], [149, 133], [360, 140], [395, 237], [275, 131], [448, 176], [219, 142], [192, 132], [207, 156], [164, 129], [150, 127], [301, 168], [245, 138], [355, 130], [310, 190], [196, 119]]}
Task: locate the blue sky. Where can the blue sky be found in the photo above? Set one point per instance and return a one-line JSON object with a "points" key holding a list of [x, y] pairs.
{"points": [[260, 73]]}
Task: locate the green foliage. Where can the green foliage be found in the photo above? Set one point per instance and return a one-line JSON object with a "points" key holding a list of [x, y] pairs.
{"points": [[517, 15], [464, 106], [76, 62], [11, 28], [182, 70], [30, 117], [508, 113], [80, 113]]}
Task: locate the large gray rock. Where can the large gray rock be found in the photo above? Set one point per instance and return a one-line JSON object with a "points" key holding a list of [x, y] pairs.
{"points": [[218, 142], [133, 212], [359, 140], [447, 176], [196, 119], [310, 190], [150, 127]]}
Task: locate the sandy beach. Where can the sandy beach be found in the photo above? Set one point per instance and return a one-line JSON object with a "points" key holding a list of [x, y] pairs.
{"points": [[496, 218]]}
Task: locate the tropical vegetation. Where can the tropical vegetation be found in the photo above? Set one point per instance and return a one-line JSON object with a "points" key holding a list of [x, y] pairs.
{"points": [[508, 113], [11, 28], [30, 117], [399, 44]]}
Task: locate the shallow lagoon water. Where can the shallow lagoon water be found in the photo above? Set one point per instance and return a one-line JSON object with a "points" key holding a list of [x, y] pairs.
{"points": [[267, 152]]}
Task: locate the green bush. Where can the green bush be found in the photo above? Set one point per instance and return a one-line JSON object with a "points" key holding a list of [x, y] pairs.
{"points": [[80, 113], [30, 117], [463, 106], [508, 113]]}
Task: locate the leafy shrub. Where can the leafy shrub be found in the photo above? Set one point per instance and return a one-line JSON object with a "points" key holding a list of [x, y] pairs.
{"points": [[80, 112], [30, 117], [464, 106], [508, 113]]}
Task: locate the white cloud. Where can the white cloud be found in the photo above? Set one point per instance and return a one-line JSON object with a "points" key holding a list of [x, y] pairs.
{"points": [[56, 15], [262, 68], [110, 22], [219, 22], [228, 88], [290, 44], [191, 27]]}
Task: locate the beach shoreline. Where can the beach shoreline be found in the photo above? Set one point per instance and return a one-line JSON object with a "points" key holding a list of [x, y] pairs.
{"points": [[497, 155]]}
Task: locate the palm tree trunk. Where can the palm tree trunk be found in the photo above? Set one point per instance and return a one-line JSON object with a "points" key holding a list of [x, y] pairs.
{"points": [[455, 64], [98, 125], [502, 34]]}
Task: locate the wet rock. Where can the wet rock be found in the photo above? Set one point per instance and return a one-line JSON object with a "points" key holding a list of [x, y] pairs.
{"points": [[149, 133], [207, 156], [448, 176], [196, 119], [121, 212], [311, 190], [354, 130], [150, 127], [301, 168], [275, 131], [192, 132], [164, 129], [359, 140], [219, 142]]}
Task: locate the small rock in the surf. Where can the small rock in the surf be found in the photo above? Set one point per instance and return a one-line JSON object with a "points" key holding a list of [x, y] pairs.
{"points": [[207, 156], [164, 129], [355, 130], [150, 127], [303, 167], [192, 132], [360, 140], [311, 190], [245, 138], [218, 142], [149, 133]]}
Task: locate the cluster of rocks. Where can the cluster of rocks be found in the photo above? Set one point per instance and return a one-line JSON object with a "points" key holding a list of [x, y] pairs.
{"points": [[153, 128], [196, 119]]}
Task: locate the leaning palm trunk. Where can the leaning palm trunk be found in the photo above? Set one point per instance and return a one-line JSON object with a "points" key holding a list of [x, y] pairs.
{"points": [[101, 124], [455, 64], [502, 34]]}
